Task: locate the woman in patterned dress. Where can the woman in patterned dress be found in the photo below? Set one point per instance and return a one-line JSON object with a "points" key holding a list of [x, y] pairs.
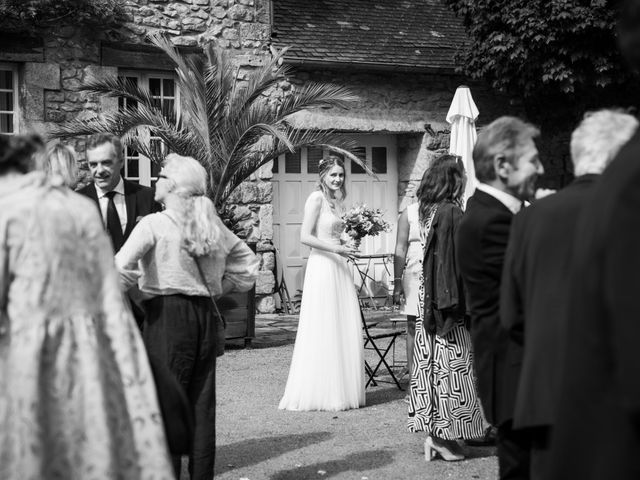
{"points": [[443, 401]]}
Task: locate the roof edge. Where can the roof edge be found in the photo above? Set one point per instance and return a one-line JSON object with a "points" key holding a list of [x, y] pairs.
{"points": [[305, 62]]}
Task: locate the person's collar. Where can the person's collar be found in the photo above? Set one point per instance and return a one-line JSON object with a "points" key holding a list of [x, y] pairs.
{"points": [[119, 188], [508, 200]]}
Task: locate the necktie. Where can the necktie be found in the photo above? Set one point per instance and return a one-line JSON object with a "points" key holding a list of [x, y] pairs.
{"points": [[113, 223]]}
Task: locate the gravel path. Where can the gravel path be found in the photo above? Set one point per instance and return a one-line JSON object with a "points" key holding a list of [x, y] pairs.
{"points": [[257, 441]]}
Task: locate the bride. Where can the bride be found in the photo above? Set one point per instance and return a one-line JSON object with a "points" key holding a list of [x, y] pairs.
{"points": [[327, 368]]}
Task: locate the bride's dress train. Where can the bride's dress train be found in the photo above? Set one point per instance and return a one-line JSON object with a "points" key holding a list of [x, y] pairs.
{"points": [[327, 367]]}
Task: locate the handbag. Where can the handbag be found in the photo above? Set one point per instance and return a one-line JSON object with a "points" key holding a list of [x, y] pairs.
{"points": [[221, 323]]}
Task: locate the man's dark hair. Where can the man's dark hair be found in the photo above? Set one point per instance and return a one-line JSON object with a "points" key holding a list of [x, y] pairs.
{"points": [[504, 135], [98, 139]]}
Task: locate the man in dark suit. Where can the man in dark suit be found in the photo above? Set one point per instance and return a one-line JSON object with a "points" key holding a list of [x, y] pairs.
{"points": [[536, 277], [121, 202], [596, 433], [507, 166]]}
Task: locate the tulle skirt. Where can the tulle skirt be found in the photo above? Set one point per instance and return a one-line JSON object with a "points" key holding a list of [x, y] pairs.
{"points": [[327, 367]]}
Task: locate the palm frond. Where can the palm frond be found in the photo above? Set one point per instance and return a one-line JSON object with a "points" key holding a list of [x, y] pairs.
{"points": [[316, 95], [191, 84], [259, 82]]}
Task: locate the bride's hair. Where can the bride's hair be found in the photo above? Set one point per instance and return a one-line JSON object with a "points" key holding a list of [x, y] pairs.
{"points": [[201, 232], [324, 167]]}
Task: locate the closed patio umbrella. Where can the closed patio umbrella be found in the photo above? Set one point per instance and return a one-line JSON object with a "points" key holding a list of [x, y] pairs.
{"points": [[462, 117]]}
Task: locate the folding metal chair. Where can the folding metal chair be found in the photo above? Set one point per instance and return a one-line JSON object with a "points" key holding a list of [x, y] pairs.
{"points": [[281, 285], [370, 340]]}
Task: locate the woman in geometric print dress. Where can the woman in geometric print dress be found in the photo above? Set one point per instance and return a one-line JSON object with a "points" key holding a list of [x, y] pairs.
{"points": [[443, 401]]}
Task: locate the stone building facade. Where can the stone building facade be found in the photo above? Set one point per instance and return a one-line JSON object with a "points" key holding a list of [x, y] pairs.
{"points": [[397, 56]]}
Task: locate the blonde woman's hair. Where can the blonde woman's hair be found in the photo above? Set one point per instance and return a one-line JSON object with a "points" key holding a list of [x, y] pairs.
{"points": [[324, 167], [60, 160], [201, 231]]}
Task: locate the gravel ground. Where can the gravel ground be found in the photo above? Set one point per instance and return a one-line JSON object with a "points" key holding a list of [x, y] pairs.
{"points": [[257, 441]]}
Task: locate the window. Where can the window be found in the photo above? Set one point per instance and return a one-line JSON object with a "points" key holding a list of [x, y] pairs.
{"points": [[8, 98], [164, 91], [306, 160]]}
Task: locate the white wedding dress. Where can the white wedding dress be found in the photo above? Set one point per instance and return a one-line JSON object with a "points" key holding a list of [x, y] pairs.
{"points": [[327, 368]]}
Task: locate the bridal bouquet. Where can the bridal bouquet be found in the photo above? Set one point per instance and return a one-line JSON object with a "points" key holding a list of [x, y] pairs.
{"points": [[362, 221]]}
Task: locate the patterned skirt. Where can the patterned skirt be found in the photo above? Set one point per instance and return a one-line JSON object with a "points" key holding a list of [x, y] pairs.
{"points": [[443, 400]]}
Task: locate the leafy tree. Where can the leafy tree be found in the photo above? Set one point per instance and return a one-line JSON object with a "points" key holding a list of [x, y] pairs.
{"points": [[542, 47], [232, 126], [33, 15]]}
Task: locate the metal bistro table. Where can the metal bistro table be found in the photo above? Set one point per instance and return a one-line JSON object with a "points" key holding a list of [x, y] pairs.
{"points": [[366, 274]]}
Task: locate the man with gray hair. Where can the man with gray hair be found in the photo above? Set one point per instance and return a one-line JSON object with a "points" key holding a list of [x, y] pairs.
{"points": [[507, 166], [536, 280]]}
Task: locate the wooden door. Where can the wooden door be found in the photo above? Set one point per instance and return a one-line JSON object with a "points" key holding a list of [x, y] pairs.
{"points": [[296, 176]]}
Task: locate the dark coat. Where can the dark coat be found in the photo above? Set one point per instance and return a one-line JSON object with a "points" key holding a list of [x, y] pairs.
{"points": [[481, 244], [444, 302], [138, 199], [535, 289], [597, 428]]}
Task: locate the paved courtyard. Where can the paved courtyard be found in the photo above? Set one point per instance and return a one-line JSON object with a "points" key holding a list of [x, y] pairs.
{"points": [[257, 441]]}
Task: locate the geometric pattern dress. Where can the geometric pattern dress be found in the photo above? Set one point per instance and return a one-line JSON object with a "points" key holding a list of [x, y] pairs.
{"points": [[443, 400]]}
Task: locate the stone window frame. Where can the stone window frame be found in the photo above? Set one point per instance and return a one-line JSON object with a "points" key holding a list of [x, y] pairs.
{"points": [[146, 169], [13, 68]]}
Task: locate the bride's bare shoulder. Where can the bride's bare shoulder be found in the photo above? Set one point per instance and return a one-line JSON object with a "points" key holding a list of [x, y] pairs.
{"points": [[315, 198]]}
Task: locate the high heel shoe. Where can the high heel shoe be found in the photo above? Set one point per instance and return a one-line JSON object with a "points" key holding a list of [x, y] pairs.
{"points": [[432, 447]]}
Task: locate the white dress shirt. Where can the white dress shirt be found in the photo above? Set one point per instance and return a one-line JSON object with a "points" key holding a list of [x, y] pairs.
{"points": [[118, 200], [508, 200]]}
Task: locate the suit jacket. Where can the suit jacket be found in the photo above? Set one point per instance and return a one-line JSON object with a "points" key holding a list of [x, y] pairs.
{"points": [[534, 294], [597, 427], [137, 198], [481, 244]]}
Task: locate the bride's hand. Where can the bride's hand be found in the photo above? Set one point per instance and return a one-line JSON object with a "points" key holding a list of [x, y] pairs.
{"points": [[345, 251]]}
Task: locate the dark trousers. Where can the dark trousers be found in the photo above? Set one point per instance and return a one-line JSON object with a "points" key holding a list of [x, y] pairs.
{"points": [[181, 331], [513, 453]]}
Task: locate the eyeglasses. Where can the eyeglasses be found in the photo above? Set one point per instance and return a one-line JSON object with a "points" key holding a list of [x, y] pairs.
{"points": [[162, 176]]}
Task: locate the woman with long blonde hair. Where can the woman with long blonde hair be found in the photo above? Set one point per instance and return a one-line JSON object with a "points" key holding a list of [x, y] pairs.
{"points": [[186, 256], [327, 368]]}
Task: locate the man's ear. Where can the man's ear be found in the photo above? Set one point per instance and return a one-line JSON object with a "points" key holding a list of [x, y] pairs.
{"points": [[502, 166]]}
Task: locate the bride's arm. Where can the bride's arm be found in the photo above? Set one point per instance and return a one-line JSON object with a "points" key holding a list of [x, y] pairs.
{"points": [[308, 234]]}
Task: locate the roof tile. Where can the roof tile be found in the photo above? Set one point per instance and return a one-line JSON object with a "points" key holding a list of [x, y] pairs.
{"points": [[414, 33]]}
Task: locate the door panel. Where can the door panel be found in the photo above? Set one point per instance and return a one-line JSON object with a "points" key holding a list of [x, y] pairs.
{"points": [[293, 183]]}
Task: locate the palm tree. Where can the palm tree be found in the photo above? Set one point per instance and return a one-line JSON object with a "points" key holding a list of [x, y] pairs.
{"points": [[232, 126]]}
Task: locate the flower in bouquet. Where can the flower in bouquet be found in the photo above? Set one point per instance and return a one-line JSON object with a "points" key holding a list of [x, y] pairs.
{"points": [[362, 221]]}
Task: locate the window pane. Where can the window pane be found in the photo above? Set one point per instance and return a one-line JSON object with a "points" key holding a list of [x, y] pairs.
{"points": [[6, 123], [361, 153], [6, 79], [167, 105], [292, 162], [274, 165], [155, 169], [154, 86], [133, 170], [133, 163], [379, 159], [6, 101], [314, 155], [168, 86]]}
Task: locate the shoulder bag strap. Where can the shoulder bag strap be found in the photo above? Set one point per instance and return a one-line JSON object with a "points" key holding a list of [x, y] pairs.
{"points": [[204, 280]]}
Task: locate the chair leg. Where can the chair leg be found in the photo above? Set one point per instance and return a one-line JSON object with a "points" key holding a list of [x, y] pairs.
{"points": [[382, 355]]}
